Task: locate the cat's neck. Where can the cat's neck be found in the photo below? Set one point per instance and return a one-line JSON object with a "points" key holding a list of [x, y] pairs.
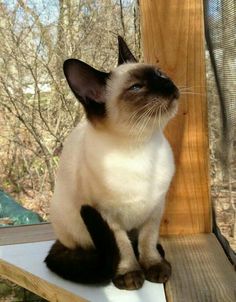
{"points": [[124, 139]]}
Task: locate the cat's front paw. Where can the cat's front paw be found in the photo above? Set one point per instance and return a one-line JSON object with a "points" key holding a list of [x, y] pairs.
{"points": [[131, 280], [159, 272]]}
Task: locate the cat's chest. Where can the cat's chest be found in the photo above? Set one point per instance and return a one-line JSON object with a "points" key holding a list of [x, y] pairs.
{"points": [[144, 175], [132, 177]]}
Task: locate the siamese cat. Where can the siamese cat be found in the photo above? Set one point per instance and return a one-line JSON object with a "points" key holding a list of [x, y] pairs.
{"points": [[115, 169]]}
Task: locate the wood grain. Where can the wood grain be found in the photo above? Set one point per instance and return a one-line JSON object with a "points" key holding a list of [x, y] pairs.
{"points": [[173, 38], [201, 272], [26, 233], [37, 285]]}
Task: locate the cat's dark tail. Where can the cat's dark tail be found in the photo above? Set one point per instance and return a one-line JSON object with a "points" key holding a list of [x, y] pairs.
{"points": [[87, 265]]}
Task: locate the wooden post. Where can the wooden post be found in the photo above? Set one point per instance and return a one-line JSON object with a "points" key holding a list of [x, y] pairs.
{"points": [[173, 38]]}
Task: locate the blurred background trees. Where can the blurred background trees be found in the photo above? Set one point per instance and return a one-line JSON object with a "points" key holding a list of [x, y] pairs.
{"points": [[37, 109]]}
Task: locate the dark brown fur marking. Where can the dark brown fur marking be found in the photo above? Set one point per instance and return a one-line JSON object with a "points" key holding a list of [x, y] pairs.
{"points": [[94, 265], [154, 90], [130, 280], [153, 86], [124, 53], [88, 85], [159, 273]]}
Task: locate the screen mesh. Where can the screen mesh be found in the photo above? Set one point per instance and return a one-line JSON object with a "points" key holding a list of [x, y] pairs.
{"points": [[220, 20]]}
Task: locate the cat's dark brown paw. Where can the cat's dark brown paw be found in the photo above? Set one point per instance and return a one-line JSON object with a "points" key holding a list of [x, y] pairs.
{"points": [[159, 273], [130, 280]]}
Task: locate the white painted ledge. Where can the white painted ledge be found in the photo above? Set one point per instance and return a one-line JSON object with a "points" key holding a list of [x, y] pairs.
{"points": [[28, 258]]}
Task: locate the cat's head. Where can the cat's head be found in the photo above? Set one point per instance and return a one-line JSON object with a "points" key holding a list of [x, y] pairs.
{"points": [[133, 96]]}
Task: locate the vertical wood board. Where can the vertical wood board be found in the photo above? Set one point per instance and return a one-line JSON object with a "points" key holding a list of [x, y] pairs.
{"points": [[173, 38]]}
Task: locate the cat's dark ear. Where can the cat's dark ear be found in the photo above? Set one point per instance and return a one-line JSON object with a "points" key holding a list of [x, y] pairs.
{"points": [[125, 55], [87, 83]]}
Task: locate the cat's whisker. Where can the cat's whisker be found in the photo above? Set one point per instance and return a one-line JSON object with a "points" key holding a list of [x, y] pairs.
{"points": [[142, 116], [159, 115], [167, 114], [157, 110], [143, 128], [184, 89], [192, 93], [154, 120], [134, 115], [136, 123], [190, 87], [144, 121]]}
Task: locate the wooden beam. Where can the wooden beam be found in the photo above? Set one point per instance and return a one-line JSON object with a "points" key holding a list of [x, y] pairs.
{"points": [[44, 289], [173, 38], [26, 233]]}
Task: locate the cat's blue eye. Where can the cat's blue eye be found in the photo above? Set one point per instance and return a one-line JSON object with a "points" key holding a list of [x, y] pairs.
{"points": [[136, 87]]}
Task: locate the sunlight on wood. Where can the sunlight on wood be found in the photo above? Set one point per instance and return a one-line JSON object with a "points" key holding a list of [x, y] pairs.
{"points": [[173, 38]]}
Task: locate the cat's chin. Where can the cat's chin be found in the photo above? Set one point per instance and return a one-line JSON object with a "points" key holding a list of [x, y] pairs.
{"points": [[167, 116], [172, 108]]}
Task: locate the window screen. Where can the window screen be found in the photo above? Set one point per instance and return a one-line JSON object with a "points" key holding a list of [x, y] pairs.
{"points": [[220, 20]]}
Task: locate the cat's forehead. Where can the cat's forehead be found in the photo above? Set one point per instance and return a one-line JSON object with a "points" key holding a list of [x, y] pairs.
{"points": [[135, 71], [126, 68]]}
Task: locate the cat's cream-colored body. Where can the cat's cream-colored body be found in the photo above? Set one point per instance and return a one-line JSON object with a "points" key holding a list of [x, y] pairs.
{"points": [[118, 162], [125, 182]]}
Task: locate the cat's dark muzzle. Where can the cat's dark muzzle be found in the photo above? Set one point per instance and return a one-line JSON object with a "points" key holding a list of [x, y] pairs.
{"points": [[172, 98], [175, 94], [169, 97], [164, 87], [170, 91]]}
